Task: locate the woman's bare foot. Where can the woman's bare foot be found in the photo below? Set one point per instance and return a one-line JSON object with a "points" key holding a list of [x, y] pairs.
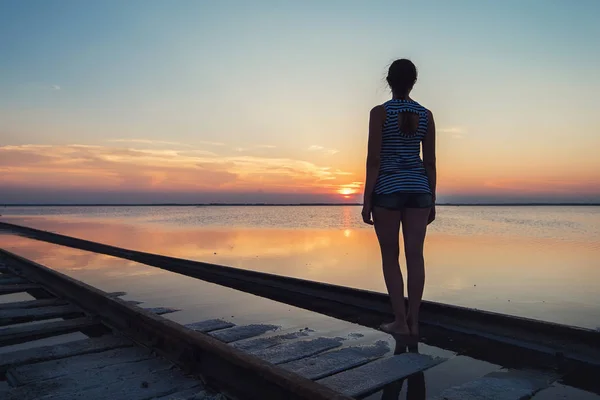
{"points": [[413, 326], [396, 328]]}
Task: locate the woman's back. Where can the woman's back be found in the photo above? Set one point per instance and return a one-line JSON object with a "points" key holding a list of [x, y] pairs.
{"points": [[401, 168], [400, 193]]}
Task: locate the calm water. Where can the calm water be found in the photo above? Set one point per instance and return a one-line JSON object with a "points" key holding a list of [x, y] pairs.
{"points": [[540, 262]]}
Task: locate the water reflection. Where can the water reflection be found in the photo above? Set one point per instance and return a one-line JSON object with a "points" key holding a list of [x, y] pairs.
{"points": [[546, 278], [415, 383], [415, 388]]}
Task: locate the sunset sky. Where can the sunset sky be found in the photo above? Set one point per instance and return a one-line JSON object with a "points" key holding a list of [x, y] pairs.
{"points": [[240, 101]]}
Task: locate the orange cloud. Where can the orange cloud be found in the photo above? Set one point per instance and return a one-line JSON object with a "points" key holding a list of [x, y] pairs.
{"points": [[101, 167], [185, 169]]}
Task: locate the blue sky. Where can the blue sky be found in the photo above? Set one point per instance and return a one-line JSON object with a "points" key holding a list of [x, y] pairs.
{"points": [[513, 86]]}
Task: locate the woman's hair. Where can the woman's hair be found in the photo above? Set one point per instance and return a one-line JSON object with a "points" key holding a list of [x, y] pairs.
{"points": [[402, 76]]}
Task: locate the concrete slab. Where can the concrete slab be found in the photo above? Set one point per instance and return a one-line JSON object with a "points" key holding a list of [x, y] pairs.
{"points": [[4, 389], [242, 332], [32, 304], [296, 350], [564, 392], [17, 288], [265, 343], [142, 387], [24, 333], [24, 374], [15, 316], [501, 385], [332, 362], [456, 371], [116, 294], [11, 280], [192, 394], [133, 381], [209, 325], [46, 353], [161, 310], [374, 375]]}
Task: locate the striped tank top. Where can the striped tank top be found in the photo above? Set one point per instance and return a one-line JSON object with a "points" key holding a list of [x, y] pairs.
{"points": [[401, 168]]}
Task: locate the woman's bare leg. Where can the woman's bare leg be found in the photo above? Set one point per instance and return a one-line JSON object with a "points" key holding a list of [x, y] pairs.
{"points": [[414, 228], [387, 228]]}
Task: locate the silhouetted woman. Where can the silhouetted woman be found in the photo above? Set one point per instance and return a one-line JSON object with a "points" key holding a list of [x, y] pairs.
{"points": [[400, 192]]}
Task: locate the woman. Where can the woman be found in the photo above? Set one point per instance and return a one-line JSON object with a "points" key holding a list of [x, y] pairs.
{"points": [[400, 191]]}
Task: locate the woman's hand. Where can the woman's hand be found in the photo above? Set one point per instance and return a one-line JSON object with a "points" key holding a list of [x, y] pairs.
{"points": [[367, 214]]}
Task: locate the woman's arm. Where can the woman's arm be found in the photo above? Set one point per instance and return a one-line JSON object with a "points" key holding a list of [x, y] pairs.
{"points": [[376, 120], [429, 155]]}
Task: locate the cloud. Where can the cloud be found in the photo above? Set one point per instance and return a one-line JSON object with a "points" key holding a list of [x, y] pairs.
{"points": [[196, 152], [153, 142], [148, 141], [211, 143], [315, 147], [115, 168], [455, 130], [338, 172], [258, 146], [33, 87], [542, 184]]}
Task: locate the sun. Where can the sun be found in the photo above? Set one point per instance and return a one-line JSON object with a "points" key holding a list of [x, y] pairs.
{"points": [[346, 191]]}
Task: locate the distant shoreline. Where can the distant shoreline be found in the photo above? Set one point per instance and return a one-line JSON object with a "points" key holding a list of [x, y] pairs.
{"points": [[289, 205]]}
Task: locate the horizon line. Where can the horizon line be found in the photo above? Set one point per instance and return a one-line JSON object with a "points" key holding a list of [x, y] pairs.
{"points": [[282, 204]]}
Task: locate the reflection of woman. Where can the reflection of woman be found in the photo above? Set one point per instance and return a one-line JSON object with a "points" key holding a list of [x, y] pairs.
{"points": [[415, 387], [400, 191]]}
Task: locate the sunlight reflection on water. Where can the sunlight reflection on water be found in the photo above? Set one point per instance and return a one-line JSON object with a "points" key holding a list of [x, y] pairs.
{"points": [[540, 262]]}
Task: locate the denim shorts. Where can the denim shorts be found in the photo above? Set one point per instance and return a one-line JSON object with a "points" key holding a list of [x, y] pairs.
{"points": [[400, 200]]}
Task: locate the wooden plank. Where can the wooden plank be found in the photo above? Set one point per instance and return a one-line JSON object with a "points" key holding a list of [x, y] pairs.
{"points": [[161, 310], [220, 365], [501, 385], [32, 304], [20, 334], [136, 380], [116, 294], [332, 362], [4, 390], [11, 280], [63, 350], [209, 325], [296, 350], [195, 393], [561, 391], [23, 287], [148, 386], [9, 317], [265, 343], [40, 293], [24, 374], [370, 377], [242, 332]]}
